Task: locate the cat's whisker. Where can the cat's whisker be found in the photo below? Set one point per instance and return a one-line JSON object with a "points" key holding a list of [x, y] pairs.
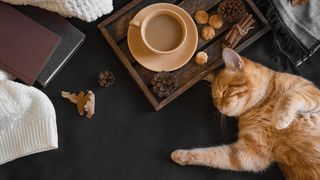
{"points": [[219, 122]]}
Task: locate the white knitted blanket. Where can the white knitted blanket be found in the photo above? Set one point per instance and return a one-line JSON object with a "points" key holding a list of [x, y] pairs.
{"points": [[87, 10]]}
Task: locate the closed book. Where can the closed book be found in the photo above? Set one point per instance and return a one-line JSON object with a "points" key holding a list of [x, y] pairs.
{"points": [[25, 45], [71, 40]]}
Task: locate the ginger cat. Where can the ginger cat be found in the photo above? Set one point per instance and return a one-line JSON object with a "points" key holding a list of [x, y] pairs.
{"points": [[279, 121]]}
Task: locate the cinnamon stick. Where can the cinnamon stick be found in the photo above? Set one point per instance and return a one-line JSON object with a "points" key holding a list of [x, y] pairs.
{"points": [[235, 32], [245, 28], [240, 22], [246, 20]]}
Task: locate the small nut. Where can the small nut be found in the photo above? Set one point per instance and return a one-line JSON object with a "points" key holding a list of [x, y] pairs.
{"points": [[201, 17], [201, 58], [215, 21], [208, 33]]}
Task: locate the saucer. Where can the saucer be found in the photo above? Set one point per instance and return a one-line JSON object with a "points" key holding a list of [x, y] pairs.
{"points": [[168, 62]]}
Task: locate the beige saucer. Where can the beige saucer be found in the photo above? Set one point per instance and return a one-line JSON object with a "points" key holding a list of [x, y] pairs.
{"points": [[168, 62]]}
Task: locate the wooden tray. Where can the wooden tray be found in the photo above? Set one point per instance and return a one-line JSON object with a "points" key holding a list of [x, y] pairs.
{"points": [[115, 27]]}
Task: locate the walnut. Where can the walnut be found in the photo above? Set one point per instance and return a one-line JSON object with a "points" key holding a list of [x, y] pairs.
{"points": [[215, 21], [208, 33], [201, 58], [85, 103], [201, 17]]}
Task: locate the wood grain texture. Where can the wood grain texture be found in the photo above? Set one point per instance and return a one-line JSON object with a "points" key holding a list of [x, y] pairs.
{"points": [[131, 70], [119, 13], [115, 29]]}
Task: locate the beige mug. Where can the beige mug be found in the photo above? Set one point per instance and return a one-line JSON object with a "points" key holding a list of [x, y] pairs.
{"points": [[162, 38]]}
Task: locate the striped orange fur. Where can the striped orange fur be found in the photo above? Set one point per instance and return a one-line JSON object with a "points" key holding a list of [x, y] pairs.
{"points": [[279, 121]]}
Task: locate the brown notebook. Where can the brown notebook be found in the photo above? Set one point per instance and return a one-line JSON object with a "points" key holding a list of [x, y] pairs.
{"points": [[25, 45]]}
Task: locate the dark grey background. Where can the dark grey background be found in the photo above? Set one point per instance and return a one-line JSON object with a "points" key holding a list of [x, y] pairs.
{"points": [[126, 139]]}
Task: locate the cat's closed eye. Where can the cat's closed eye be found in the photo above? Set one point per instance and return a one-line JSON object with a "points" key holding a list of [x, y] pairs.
{"points": [[225, 93]]}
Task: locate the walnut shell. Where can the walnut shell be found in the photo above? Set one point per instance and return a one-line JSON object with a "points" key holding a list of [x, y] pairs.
{"points": [[201, 58], [201, 17], [208, 33], [215, 21]]}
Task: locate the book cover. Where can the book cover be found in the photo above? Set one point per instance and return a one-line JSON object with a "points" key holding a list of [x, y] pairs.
{"points": [[71, 40], [26, 46]]}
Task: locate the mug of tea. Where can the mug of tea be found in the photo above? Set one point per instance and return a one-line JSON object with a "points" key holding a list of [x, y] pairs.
{"points": [[163, 31]]}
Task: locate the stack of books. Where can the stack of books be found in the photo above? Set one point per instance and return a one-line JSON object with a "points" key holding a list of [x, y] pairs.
{"points": [[35, 44]]}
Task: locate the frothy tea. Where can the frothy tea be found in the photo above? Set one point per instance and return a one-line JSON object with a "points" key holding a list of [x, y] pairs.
{"points": [[163, 33]]}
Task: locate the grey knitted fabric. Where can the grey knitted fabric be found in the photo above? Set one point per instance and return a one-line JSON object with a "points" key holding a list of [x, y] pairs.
{"points": [[296, 29], [303, 21]]}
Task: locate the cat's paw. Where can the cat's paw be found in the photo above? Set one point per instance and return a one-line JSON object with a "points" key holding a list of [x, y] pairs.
{"points": [[282, 120], [183, 157]]}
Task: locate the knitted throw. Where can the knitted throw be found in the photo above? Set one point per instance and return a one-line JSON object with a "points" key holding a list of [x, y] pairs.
{"points": [[87, 10]]}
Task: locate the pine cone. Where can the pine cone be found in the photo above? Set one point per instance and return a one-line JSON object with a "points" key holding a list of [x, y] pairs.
{"points": [[164, 84], [231, 10], [106, 78]]}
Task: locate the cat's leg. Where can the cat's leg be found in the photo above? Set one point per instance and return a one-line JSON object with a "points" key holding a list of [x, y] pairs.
{"points": [[303, 100], [238, 157]]}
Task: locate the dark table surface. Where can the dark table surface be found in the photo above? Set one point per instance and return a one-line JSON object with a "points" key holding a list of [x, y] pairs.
{"points": [[127, 139]]}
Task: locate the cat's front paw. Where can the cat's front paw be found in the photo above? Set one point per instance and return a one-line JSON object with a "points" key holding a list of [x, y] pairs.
{"points": [[183, 157], [282, 120]]}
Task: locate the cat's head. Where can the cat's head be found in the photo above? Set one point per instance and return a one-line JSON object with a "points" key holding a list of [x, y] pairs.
{"points": [[238, 86]]}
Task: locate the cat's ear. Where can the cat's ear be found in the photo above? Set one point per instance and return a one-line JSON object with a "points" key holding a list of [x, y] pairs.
{"points": [[232, 60]]}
